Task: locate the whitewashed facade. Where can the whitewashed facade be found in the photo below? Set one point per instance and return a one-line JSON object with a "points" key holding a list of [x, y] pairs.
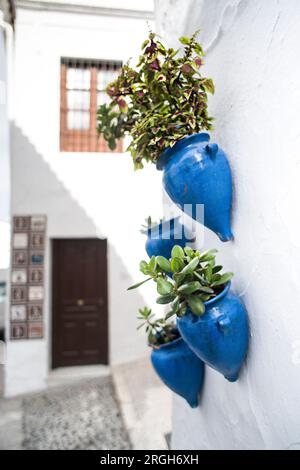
{"points": [[252, 55], [83, 195], [6, 40]]}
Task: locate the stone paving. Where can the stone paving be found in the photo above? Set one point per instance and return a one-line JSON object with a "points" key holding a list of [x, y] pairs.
{"points": [[126, 407], [85, 415]]}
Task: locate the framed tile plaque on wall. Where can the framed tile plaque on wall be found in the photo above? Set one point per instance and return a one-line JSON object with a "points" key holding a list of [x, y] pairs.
{"points": [[18, 313], [27, 277]]}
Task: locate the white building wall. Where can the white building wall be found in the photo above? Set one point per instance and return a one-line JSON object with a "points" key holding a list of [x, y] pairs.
{"points": [[253, 56], [5, 46], [83, 195]]}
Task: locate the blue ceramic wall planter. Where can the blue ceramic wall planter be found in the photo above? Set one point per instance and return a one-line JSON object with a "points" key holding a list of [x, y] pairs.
{"points": [[197, 172], [180, 369], [162, 237], [220, 336]]}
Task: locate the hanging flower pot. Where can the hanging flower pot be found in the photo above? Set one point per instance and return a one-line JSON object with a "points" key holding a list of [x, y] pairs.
{"points": [[197, 172], [163, 105], [211, 319], [162, 237], [176, 365], [180, 369], [220, 336]]}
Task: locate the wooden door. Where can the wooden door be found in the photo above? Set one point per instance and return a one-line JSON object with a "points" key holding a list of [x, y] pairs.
{"points": [[80, 313]]}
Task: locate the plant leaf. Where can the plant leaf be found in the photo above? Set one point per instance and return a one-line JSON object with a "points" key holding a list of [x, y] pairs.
{"points": [[169, 314], [190, 287], [196, 305], [152, 264], [176, 265], [224, 279], [184, 40], [175, 304], [163, 263], [207, 290], [177, 252], [189, 268], [135, 286], [165, 299], [164, 287], [144, 267]]}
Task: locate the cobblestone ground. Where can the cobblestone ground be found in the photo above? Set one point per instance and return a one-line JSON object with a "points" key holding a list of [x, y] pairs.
{"points": [[85, 415], [84, 408]]}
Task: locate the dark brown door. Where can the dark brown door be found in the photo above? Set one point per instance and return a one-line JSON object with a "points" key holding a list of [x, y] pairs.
{"points": [[80, 317]]}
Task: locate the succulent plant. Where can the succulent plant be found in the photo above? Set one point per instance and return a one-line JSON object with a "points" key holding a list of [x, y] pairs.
{"points": [[195, 278], [159, 331], [149, 223]]}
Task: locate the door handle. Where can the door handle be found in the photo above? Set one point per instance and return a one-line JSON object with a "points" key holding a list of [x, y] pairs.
{"points": [[80, 302]]}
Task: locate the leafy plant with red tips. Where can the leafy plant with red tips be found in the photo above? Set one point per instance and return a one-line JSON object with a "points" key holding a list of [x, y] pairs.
{"points": [[161, 101]]}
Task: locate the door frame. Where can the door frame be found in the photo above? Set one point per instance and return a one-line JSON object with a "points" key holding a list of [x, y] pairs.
{"points": [[54, 323]]}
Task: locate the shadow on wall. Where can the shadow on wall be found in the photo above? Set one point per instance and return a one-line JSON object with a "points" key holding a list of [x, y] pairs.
{"points": [[126, 343], [37, 189]]}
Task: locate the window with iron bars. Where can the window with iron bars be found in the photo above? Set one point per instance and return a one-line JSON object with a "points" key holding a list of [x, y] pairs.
{"points": [[82, 91]]}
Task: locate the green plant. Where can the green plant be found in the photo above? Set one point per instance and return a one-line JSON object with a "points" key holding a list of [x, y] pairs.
{"points": [[149, 223], [159, 331], [159, 102], [195, 279]]}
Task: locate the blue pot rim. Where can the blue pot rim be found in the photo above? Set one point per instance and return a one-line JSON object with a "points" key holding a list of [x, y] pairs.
{"points": [[168, 153], [166, 345], [219, 296], [208, 303]]}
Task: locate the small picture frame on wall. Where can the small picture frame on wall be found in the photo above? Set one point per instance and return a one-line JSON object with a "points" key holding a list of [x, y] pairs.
{"points": [[37, 240], [35, 330], [27, 276], [19, 276], [20, 240], [36, 276], [35, 312], [18, 294], [38, 223], [21, 223], [36, 258], [18, 331], [18, 313], [20, 258], [35, 293]]}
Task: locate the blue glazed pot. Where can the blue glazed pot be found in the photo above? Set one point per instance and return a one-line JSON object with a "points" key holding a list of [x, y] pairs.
{"points": [[180, 369], [220, 336], [164, 236], [197, 172]]}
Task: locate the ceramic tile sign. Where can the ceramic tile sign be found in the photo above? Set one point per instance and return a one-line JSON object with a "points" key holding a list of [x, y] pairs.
{"points": [[27, 277], [35, 312], [18, 313], [35, 330], [18, 330]]}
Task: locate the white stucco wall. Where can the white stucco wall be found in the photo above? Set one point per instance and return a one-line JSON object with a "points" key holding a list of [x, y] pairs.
{"points": [[5, 42], [252, 55], [83, 195]]}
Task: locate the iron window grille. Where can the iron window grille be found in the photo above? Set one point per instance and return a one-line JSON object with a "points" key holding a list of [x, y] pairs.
{"points": [[83, 82]]}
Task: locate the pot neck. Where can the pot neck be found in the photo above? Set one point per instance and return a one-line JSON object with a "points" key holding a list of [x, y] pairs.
{"points": [[183, 143], [210, 304], [169, 345]]}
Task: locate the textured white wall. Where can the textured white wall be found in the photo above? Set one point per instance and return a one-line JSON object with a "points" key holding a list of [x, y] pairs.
{"points": [[253, 56], [4, 148], [83, 195]]}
